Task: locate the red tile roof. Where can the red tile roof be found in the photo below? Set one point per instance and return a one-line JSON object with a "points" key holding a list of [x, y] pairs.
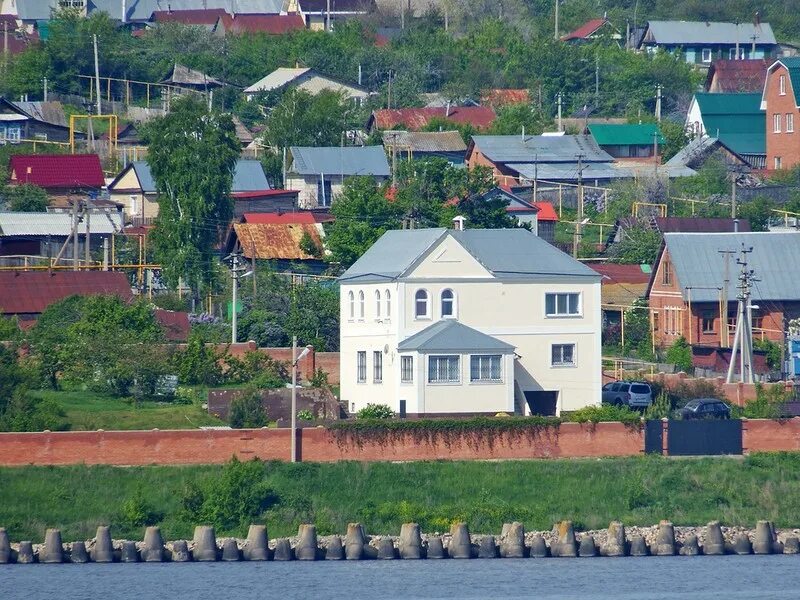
{"points": [[700, 225], [57, 170], [502, 97], [189, 17], [30, 292], [174, 324], [546, 211], [263, 194], [734, 76], [585, 30], [272, 24], [617, 273], [415, 119]]}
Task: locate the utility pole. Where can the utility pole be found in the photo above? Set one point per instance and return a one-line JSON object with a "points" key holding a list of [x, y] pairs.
{"points": [[5, 44], [328, 17], [555, 33], [236, 273], [87, 242], [658, 103], [75, 206], [97, 77], [725, 341], [389, 92], [579, 224], [394, 160], [743, 336], [560, 128], [597, 79], [45, 89]]}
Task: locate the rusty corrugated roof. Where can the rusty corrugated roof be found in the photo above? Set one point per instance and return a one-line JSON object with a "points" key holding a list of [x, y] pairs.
{"points": [[276, 241]]}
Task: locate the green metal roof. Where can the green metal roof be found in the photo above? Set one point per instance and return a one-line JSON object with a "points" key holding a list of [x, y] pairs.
{"points": [[728, 104], [625, 135], [736, 119]]}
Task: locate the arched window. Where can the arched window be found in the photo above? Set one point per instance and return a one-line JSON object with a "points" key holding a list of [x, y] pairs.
{"points": [[377, 304], [448, 304], [352, 299], [360, 305], [421, 305], [388, 304]]}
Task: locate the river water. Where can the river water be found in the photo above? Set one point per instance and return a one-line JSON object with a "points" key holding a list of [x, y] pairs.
{"points": [[700, 577]]}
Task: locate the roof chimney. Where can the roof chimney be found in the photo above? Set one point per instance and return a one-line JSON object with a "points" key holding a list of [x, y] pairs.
{"points": [[458, 223], [124, 11], [447, 110], [736, 225]]}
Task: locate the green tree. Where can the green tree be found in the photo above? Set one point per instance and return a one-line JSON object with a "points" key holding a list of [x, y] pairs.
{"points": [[758, 212], [192, 154], [247, 411], [638, 336], [680, 355], [513, 119], [674, 137], [300, 119], [26, 198], [639, 246]]}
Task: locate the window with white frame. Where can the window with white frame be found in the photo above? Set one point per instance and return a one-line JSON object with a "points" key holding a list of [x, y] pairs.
{"points": [[562, 355], [406, 369], [377, 366], [776, 123], [448, 303], [486, 367], [562, 304], [14, 133], [421, 305], [444, 369], [361, 305], [361, 366], [732, 53], [789, 122], [706, 55], [388, 296], [377, 304], [351, 298], [778, 163], [782, 85]]}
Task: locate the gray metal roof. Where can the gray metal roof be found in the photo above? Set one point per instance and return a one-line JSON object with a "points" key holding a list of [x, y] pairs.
{"points": [[569, 171], [248, 176], [540, 148], [336, 160], [448, 335], [698, 263], [55, 224], [680, 33], [424, 141], [140, 10], [506, 253]]}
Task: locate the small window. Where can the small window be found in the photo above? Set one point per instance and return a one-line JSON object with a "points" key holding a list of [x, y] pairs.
{"points": [[421, 305], [377, 304], [563, 355], [706, 55], [789, 123], [708, 321], [388, 296], [406, 369], [352, 299], [776, 123], [732, 53], [444, 369], [561, 305], [485, 367], [655, 321], [377, 366], [448, 304], [361, 305], [666, 273], [324, 192], [782, 85], [361, 366], [778, 163]]}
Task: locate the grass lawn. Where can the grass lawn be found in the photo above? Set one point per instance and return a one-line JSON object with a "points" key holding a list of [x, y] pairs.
{"points": [[90, 411], [638, 491]]}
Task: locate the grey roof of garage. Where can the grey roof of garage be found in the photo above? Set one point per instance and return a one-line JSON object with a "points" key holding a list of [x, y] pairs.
{"points": [[340, 160], [449, 335]]}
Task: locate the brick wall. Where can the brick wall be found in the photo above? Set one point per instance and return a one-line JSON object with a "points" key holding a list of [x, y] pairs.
{"points": [[760, 435], [735, 393], [327, 361], [784, 145]]}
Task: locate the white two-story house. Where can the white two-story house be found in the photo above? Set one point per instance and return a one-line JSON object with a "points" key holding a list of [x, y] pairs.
{"points": [[449, 322]]}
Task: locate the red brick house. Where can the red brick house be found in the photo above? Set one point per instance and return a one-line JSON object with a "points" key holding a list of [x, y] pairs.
{"points": [[781, 102], [416, 119]]}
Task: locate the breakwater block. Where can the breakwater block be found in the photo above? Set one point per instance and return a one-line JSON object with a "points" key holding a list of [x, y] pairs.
{"points": [[103, 551], [742, 545], [78, 554], [386, 549], [791, 545], [616, 544], [566, 546], [638, 546], [53, 551], [435, 548], [691, 547], [306, 548], [488, 547], [714, 544], [180, 551], [283, 550], [205, 544], [764, 538], [129, 553], [354, 542], [539, 547], [25, 555], [665, 540], [334, 550], [230, 551], [512, 540], [153, 545], [587, 547], [5, 547], [460, 543], [410, 542], [256, 547]]}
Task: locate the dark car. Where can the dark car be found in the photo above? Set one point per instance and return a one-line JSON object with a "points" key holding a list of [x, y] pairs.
{"points": [[704, 408]]}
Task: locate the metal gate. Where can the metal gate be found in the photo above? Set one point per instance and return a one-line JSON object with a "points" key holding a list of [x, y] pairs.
{"points": [[704, 437], [653, 437]]}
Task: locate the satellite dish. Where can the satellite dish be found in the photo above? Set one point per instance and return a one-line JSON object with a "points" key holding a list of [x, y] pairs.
{"points": [[386, 349]]}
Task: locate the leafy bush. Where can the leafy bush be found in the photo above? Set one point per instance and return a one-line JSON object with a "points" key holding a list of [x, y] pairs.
{"points": [[137, 512], [305, 415], [680, 355], [773, 351], [769, 404], [198, 363], [25, 413], [375, 411], [689, 389], [258, 369], [319, 379], [247, 411], [187, 395], [602, 413], [660, 408]]}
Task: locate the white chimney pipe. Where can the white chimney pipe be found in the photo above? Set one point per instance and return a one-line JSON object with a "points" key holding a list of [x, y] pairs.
{"points": [[124, 11]]}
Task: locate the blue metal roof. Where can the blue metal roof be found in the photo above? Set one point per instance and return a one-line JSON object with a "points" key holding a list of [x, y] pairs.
{"points": [[448, 335], [140, 10], [248, 176], [344, 161]]}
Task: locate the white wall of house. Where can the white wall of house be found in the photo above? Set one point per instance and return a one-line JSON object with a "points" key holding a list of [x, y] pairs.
{"points": [[309, 188], [694, 120]]}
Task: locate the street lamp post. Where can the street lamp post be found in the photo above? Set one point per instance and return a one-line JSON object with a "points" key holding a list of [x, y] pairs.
{"points": [[296, 359]]}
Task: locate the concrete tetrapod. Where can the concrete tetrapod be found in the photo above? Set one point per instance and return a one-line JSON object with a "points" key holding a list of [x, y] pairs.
{"points": [[230, 550], [5, 547], [335, 550], [205, 544], [512, 540], [256, 547], [153, 545], [78, 554], [638, 546], [690, 547], [129, 553], [410, 542], [665, 540], [25, 555], [460, 543], [742, 545], [306, 548], [283, 550], [53, 551], [103, 551], [539, 547], [715, 543], [435, 549], [791, 545], [487, 548], [763, 540], [180, 551], [386, 549], [615, 540], [354, 542], [587, 547], [565, 546]]}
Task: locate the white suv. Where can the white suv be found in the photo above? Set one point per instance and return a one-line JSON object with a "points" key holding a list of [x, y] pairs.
{"points": [[635, 394]]}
